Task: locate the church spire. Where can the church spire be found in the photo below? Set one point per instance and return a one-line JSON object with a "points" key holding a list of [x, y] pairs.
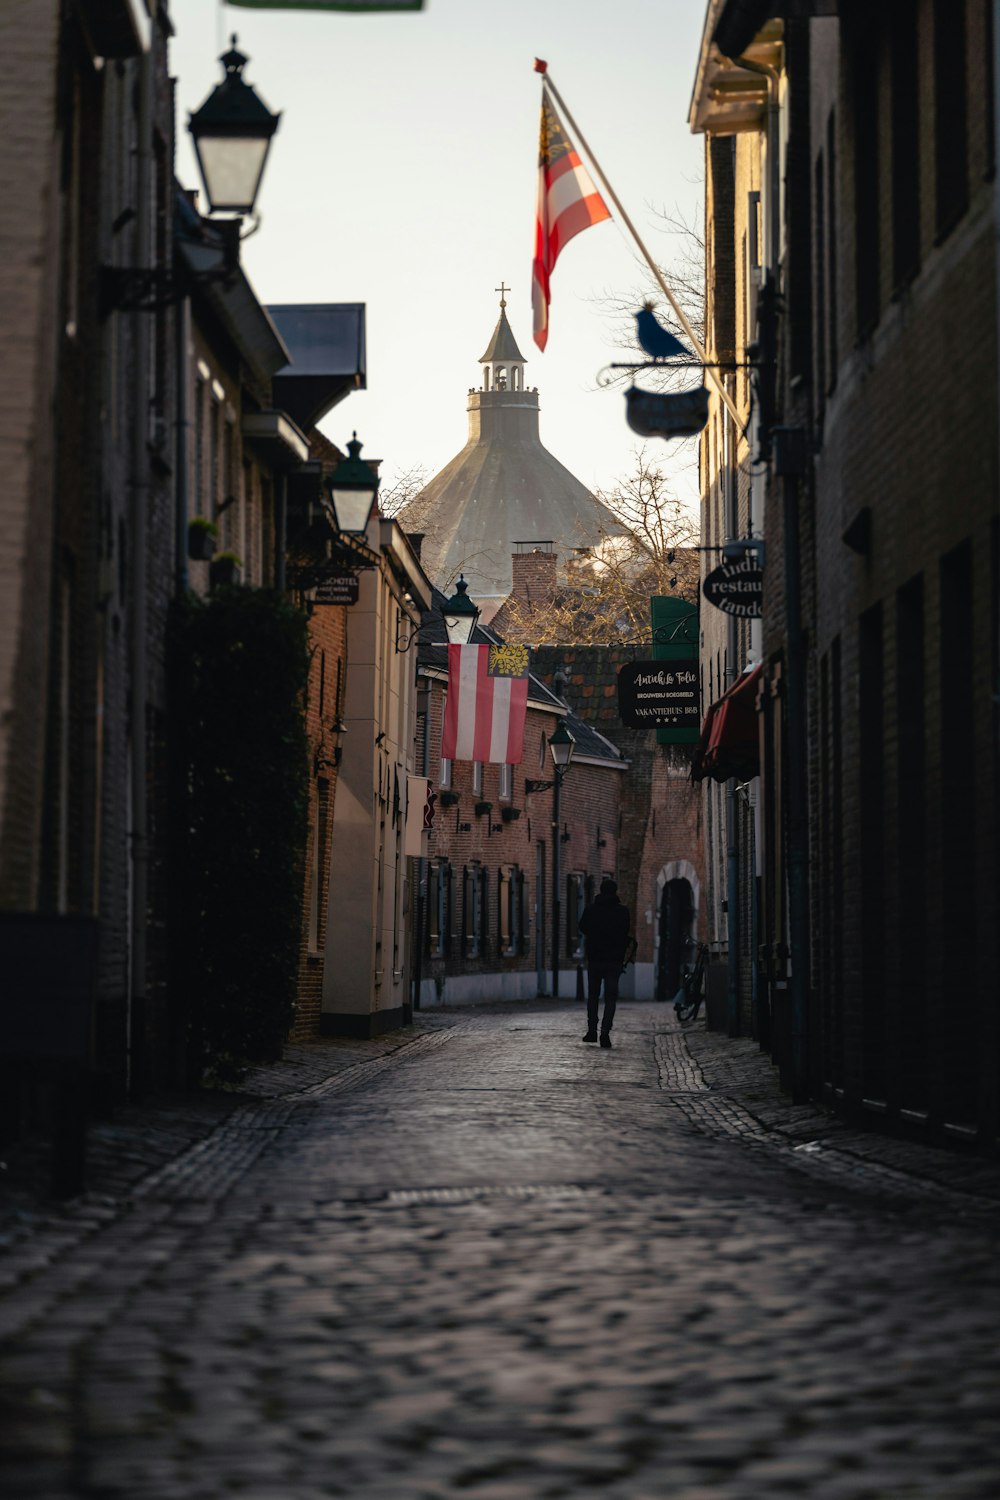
{"points": [[503, 362]]}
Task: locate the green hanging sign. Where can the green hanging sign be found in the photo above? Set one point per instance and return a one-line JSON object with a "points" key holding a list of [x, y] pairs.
{"points": [[675, 639]]}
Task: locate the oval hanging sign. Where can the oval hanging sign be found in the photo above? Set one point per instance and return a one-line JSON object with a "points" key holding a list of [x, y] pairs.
{"points": [[737, 588]]}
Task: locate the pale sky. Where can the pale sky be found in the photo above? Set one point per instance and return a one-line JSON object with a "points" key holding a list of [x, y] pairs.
{"points": [[404, 175]]}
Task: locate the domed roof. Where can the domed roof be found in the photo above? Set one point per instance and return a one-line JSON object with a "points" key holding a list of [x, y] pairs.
{"points": [[503, 487]]}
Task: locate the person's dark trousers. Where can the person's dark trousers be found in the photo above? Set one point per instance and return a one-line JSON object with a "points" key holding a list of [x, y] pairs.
{"points": [[608, 974]]}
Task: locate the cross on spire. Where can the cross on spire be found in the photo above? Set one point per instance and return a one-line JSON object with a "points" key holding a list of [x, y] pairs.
{"points": [[502, 289]]}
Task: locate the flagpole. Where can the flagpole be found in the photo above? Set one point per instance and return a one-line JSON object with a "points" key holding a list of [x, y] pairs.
{"points": [[579, 136]]}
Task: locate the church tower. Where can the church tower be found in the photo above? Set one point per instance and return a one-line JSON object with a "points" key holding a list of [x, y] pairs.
{"points": [[504, 490]]}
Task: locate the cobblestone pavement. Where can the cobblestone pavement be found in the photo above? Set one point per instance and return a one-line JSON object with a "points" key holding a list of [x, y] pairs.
{"points": [[486, 1260]]}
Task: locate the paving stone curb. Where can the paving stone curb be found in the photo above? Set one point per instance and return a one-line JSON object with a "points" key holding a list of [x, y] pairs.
{"points": [[736, 1071]]}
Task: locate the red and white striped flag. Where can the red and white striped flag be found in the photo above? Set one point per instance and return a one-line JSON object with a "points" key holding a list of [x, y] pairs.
{"points": [[484, 718], [568, 201]]}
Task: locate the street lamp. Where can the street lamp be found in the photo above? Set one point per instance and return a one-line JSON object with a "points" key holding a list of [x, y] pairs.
{"points": [[561, 746], [353, 486], [232, 134], [460, 615]]}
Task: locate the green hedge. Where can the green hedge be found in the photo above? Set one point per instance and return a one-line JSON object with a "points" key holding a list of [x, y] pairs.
{"points": [[239, 665]]}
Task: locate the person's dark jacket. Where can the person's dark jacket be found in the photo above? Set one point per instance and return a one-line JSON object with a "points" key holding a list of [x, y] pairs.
{"points": [[605, 927]]}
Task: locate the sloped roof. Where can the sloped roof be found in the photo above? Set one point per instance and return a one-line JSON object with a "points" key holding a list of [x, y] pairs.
{"points": [[503, 344]]}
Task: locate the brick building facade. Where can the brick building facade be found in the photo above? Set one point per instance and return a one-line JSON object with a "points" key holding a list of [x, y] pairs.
{"points": [[151, 419], [876, 130], [660, 849], [485, 924], [86, 425]]}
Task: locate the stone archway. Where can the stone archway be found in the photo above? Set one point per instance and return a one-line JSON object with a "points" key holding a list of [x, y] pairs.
{"points": [[678, 892]]}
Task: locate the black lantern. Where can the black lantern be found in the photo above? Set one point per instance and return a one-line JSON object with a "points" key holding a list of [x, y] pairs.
{"points": [[353, 486], [561, 747], [460, 615], [232, 135]]}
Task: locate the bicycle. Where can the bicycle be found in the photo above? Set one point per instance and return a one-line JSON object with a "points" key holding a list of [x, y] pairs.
{"points": [[687, 1001]]}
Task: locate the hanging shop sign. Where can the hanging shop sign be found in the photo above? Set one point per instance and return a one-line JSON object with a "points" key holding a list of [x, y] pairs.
{"points": [[674, 624], [737, 588], [665, 414], [659, 695], [337, 588]]}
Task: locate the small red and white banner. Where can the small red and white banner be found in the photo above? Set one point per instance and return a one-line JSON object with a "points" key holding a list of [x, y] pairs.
{"points": [[484, 718]]}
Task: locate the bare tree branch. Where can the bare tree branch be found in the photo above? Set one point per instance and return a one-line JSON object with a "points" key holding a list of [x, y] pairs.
{"points": [[405, 484], [606, 598]]}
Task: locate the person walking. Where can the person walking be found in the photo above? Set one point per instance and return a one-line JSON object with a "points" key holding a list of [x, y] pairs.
{"points": [[605, 927]]}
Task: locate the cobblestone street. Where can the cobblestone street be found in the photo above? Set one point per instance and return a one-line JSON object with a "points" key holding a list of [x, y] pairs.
{"points": [[494, 1262]]}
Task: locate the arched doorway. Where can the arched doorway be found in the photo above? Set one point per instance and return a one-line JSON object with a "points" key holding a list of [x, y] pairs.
{"points": [[676, 913], [678, 890]]}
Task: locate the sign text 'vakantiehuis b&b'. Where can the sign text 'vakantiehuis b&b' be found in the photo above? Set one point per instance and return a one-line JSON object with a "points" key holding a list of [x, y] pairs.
{"points": [[659, 695]]}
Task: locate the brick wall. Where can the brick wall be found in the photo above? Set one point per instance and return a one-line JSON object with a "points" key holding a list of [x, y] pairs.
{"points": [[901, 625], [534, 575], [29, 241], [588, 846]]}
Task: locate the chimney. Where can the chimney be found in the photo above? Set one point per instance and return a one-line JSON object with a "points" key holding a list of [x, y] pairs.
{"points": [[534, 570]]}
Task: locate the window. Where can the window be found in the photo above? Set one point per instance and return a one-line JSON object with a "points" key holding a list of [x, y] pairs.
{"points": [[989, 108], [438, 907], [951, 146], [477, 778], [229, 507], [866, 180], [444, 776], [871, 802], [905, 143], [474, 911], [506, 782], [819, 271], [578, 888], [215, 451], [199, 449], [831, 252], [911, 850], [961, 818], [510, 910]]}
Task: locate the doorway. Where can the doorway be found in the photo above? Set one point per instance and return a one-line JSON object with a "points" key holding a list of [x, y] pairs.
{"points": [[676, 936]]}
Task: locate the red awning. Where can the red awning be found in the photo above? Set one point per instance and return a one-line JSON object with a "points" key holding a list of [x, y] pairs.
{"points": [[729, 744]]}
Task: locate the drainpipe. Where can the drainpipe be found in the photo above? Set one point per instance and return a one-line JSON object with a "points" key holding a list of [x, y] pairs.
{"points": [[138, 562], [556, 879], [280, 531], [996, 158], [770, 260], [732, 824], [423, 712], [182, 330], [790, 464]]}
